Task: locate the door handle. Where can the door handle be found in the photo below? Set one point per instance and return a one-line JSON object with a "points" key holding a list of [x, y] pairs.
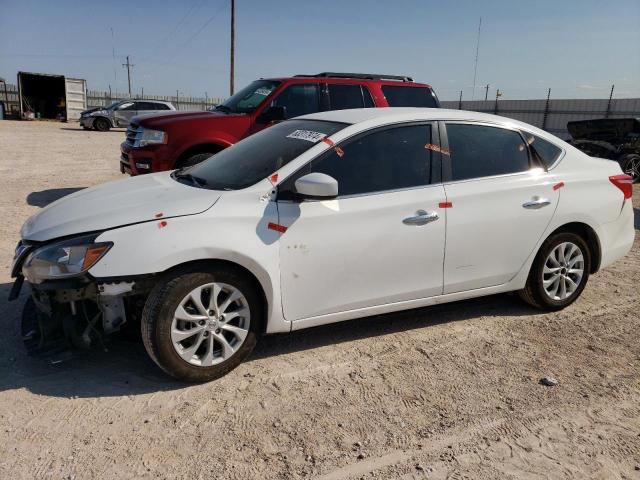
{"points": [[536, 203], [421, 217]]}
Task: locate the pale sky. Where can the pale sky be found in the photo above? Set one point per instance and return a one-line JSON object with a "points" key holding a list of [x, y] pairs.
{"points": [[578, 48]]}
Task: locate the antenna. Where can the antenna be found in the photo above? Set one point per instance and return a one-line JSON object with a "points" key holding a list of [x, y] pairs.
{"points": [[113, 54], [475, 68]]}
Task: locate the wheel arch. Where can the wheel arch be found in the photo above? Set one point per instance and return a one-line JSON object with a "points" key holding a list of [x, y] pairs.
{"points": [[102, 117], [590, 237], [238, 267], [210, 147]]}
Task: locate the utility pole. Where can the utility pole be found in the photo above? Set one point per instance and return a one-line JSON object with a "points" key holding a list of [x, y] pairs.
{"points": [[233, 46], [495, 108], [460, 101], [486, 92], [128, 65], [546, 110], [475, 68], [606, 115]]}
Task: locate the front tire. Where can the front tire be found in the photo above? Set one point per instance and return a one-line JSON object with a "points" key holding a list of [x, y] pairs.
{"points": [[559, 272], [200, 324], [101, 124]]}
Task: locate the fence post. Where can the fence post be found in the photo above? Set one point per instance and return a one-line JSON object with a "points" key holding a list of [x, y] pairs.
{"points": [[606, 115], [546, 111]]}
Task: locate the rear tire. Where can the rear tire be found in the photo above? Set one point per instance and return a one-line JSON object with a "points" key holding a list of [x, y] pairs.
{"points": [[101, 124], [222, 344], [559, 272]]}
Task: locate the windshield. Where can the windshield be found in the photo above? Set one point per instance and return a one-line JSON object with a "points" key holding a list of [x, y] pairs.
{"points": [[113, 105], [248, 99], [258, 156]]}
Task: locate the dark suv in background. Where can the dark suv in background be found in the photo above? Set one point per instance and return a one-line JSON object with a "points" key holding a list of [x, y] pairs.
{"points": [[156, 143]]}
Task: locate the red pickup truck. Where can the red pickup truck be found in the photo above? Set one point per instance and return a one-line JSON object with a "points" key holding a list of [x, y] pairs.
{"points": [[161, 142]]}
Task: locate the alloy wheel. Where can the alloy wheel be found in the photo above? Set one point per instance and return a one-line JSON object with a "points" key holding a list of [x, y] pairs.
{"points": [[563, 271], [210, 324], [632, 168]]}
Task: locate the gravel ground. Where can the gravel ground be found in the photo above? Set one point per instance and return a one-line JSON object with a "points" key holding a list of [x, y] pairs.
{"points": [[444, 392]]}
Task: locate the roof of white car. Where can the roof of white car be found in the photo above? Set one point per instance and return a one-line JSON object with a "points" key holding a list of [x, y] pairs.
{"points": [[392, 114]]}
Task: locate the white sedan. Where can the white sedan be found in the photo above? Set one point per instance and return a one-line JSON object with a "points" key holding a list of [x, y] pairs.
{"points": [[319, 219]]}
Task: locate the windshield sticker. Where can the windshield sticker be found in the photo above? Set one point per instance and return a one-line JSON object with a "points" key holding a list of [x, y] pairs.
{"points": [[307, 135], [263, 91]]}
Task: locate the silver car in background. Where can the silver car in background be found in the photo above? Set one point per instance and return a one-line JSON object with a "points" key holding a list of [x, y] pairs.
{"points": [[119, 114]]}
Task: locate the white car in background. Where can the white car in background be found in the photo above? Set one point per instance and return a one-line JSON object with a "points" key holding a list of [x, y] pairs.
{"points": [[319, 219]]}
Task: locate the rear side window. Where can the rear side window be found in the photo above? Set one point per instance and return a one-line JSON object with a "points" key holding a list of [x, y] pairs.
{"points": [[389, 159], [145, 106], [347, 96], [160, 106], [408, 96], [546, 151], [481, 151]]}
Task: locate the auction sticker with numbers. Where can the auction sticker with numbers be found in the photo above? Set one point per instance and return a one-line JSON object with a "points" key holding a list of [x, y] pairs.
{"points": [[308, 135]]}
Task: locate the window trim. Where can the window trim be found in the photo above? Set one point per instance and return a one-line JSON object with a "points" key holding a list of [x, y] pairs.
{"points": [[446, 159], [435, 169], [563, 151]]}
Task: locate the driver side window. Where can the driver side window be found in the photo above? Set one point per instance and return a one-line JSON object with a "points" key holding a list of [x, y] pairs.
{"points": [[391, 158], [298, 99]]}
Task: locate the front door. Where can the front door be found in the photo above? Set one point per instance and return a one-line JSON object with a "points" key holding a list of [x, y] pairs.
{"points": [[501, 203], [124, 113], [381, 241], [298, 99]]}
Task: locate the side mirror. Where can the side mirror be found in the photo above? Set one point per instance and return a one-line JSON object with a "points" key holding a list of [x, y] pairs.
{"points": [[317, 186], [273, 114]]}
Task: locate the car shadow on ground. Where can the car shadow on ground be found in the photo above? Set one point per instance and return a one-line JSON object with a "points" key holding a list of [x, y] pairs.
{"points": [[80, 129], [45, 197], [123, 367]]}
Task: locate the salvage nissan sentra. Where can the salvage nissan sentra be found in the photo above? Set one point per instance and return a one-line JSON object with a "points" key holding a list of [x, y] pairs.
{"points": [[318, 219]]}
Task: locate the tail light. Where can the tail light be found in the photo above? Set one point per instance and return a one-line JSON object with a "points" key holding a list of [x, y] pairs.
{"points": [[624, 183]]}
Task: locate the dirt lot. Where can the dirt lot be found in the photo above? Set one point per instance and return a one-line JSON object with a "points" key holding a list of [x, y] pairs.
{"points": [[444, 392]]}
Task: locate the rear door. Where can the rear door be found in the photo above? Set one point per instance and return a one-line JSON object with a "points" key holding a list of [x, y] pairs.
{"points": [[145, 108], [501, 202], [380, 241]]}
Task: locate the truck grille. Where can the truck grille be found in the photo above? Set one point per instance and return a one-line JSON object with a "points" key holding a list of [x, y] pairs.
{"points": [[133, 132]]}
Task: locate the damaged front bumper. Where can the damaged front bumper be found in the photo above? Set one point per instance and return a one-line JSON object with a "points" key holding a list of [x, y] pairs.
{"points": [[79, 313]]}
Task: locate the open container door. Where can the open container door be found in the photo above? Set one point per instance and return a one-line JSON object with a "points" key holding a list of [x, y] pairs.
{"points": [[76, 97]]}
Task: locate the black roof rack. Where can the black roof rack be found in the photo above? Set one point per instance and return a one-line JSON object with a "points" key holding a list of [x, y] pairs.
{"points": [[364, 76]]}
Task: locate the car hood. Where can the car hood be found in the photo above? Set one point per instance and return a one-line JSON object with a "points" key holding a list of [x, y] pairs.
{"points": [[123, 202], [91, 110], [154, 120]]}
